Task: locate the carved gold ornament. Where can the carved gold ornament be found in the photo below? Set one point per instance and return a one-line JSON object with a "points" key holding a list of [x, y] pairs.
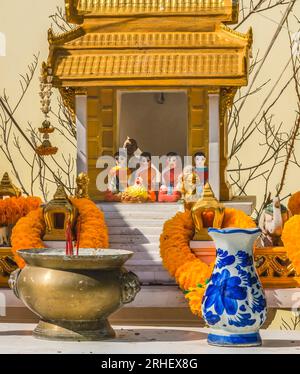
{"points": [[226, 101], [68, 97], [274, 268], [82, 189], [7, 266], [57, 213]]}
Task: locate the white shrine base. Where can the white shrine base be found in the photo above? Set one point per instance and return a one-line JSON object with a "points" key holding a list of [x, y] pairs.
{"points": [[17, 339], [172, 297], [154, 305]]}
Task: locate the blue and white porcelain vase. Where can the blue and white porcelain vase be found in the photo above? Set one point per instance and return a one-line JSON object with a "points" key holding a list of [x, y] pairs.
{"points": [[234, 303]]}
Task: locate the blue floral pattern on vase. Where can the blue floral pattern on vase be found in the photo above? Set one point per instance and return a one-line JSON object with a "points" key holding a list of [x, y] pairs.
{"points": [[223, 292], [234, 304]]}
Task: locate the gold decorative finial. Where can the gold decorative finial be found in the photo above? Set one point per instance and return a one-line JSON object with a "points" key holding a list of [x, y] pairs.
{"points": [[82, 190], [60, 193], [7, 188], [207, 212]]}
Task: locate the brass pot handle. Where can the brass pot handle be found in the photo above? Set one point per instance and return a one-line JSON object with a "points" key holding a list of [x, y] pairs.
{"points": [[12, 281], [130, 287]]}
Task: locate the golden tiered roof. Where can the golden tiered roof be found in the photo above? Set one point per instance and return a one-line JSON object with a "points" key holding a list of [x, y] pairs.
{"points": [[92, 8], [144, 50]]}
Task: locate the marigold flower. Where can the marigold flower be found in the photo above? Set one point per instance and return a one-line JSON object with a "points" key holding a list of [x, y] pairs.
{"points": [[27, 234], [93, 232], [190, 272], [14, 208], [291, 240], [294, 203]]}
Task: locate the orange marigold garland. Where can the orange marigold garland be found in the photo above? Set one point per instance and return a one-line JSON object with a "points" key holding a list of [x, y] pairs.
{"points": [[13, 208], [27, 234], [29, 230], [294, 203], [237, 218], [93, 230], [174, 249], [190, 272], [291, 240]]}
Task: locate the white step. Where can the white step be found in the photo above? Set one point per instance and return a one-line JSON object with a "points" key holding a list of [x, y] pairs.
{"points": [[131, 222], [134, 239], [144, 262], [134, 230], [153, 256], [142, 248], [154, 274], [140, 215], [119, 207], [245, 203]]}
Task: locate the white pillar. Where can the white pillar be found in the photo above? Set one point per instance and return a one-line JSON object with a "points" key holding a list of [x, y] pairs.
{"points": [[214, 143], [81, 125]]}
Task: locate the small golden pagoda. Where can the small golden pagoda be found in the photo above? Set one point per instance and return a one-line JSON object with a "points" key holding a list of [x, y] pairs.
{"points": [[7, 188], [57, 213], [207, 212], [140, 46]]}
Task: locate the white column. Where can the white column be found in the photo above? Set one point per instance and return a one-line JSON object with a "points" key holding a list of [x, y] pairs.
{"points": [[81, 125], [214, 143]]}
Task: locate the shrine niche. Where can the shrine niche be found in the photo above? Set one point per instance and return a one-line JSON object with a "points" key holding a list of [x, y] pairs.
{"points": [[160, 47]]}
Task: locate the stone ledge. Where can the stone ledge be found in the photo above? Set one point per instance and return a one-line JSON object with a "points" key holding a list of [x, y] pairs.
{"points": [[17, 338]]}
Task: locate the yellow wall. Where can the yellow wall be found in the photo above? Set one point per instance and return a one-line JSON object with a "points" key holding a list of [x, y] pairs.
{"points": [[25, 25]]}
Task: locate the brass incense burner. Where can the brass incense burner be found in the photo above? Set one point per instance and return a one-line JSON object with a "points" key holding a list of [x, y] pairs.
{"points": [[74, 295], [207, 212], [57, 213]]}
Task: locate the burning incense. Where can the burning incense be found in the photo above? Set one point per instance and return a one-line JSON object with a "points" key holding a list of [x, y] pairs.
{"points": [[78, 236], [69, 241]]}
